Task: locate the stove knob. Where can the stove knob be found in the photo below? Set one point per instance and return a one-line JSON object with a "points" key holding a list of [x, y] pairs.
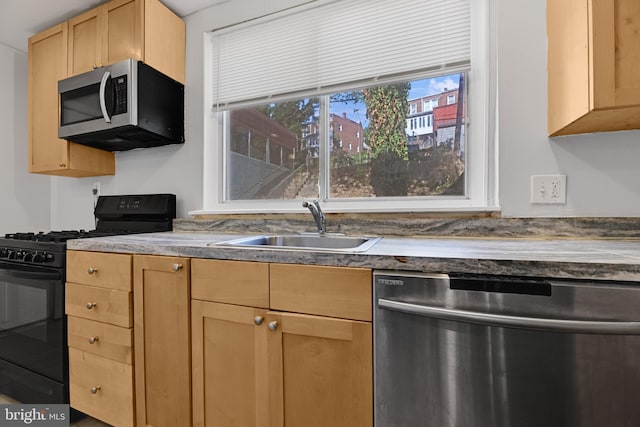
{"points": [[38, 257]]}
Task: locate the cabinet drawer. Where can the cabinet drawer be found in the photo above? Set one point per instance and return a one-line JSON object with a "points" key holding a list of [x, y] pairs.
{"points": [[110, 306], [325, 291], [231, 282], [102, 339], [104, 270], [113, 401]]}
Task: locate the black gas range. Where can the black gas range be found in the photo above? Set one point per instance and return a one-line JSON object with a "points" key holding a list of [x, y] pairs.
{"points": [[33, 331]]}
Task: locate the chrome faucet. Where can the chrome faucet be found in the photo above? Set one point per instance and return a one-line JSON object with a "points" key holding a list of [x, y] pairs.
{"points": [[318, 215]]}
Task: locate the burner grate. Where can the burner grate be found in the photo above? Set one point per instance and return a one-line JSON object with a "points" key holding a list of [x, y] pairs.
{"points": [[64, 235]]}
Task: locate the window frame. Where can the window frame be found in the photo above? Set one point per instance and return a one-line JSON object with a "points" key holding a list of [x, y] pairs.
{"points": [[480, 167]]}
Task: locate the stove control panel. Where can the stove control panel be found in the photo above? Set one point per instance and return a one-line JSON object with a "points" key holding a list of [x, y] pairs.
{"points": [[27, 255]]}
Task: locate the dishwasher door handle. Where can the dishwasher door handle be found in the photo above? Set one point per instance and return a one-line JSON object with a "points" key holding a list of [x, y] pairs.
{"points": [[534, 323]]}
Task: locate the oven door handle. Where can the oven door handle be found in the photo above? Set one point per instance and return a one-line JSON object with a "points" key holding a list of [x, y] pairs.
{"points": [[534, 323], [28, 275]]}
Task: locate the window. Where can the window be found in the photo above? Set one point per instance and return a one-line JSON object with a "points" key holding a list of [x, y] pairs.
{"points": [[271, 132], [451, 99]]}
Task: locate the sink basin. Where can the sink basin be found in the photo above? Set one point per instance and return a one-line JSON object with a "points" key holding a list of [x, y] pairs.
{"points": [[312, 242]]}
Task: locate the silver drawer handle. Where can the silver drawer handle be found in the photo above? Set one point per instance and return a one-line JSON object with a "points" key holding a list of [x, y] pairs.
{"points": [[90, 305], [258, 320], [93, 340], [273, 325], [92, 270], [177, 267], [95, 389], [535, 323]]}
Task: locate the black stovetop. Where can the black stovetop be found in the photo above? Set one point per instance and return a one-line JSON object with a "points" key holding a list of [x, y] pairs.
{"points": [[115, 215], [62, 236]]}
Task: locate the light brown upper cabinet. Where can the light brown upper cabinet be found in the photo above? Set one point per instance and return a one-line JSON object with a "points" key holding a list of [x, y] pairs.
{"points": [[49, 154], [142, 29], [593, 65], [121, 29]]}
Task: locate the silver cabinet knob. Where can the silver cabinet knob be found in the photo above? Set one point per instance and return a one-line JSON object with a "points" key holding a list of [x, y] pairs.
{"points": [[93, 340], [90, 305], [95, 389], [273, 325], [258, 320], [177, 267], [92, 270]]}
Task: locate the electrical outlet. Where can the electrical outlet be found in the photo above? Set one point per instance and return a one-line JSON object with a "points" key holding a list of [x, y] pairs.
{"points": [[96, 188], [548, 189]]}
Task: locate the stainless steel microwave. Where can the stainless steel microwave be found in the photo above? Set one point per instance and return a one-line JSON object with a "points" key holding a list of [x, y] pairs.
{"points": [[122, 106]]}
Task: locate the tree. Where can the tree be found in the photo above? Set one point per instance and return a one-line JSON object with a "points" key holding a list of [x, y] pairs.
{"points": [[387, 109], [293, 115]]}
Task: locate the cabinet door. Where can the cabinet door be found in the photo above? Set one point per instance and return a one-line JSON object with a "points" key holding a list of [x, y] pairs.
{"points": [[616, 53], [320, 371], [47, 153], [84, 42], [229, 365], [122, 30], [162, 344], [47, 65]]}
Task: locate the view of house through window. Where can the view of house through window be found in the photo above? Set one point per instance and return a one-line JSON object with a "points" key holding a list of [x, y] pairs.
{"points": [[398, 140]]}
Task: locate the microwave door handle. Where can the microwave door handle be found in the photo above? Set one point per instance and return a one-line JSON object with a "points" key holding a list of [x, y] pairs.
{"points": [[103, 102]]}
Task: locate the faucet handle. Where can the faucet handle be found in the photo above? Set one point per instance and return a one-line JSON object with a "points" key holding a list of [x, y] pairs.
{"points": [[310, 204], [318, 215]]}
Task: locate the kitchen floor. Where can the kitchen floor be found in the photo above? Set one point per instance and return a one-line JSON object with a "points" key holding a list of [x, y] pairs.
{"points": [[85, 422]]}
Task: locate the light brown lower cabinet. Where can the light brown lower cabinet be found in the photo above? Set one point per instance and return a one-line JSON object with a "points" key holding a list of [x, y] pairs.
{"points": [[101, 387], [162, 344], [99, 306], [302, 356], [261, 367]]}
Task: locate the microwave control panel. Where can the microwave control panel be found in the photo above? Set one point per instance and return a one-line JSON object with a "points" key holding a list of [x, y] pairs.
{"points": [[120, 94]]}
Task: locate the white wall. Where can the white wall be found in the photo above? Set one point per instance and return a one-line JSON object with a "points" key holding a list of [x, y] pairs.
{"points": [[170, 169], [603, 172], [24, 197]]}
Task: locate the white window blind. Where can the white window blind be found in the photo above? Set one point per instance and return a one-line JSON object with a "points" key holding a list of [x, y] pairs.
{"points": [[318, 49]]}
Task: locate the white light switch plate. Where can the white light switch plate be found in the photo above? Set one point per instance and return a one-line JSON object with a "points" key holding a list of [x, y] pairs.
{"points": [[548, 189]]}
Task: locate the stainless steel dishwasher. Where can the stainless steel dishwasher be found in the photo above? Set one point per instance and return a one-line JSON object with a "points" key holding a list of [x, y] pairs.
{"points": [[497, 351]]}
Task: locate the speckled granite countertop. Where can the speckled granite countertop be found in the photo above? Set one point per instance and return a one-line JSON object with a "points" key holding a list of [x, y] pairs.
{"points": [[603, 259]]}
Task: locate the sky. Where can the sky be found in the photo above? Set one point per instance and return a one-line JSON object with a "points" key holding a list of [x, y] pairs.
{"points": [[419, 88]]}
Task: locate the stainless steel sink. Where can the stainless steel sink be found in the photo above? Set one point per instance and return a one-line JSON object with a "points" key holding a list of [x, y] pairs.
{"points": [[312, 242]]}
